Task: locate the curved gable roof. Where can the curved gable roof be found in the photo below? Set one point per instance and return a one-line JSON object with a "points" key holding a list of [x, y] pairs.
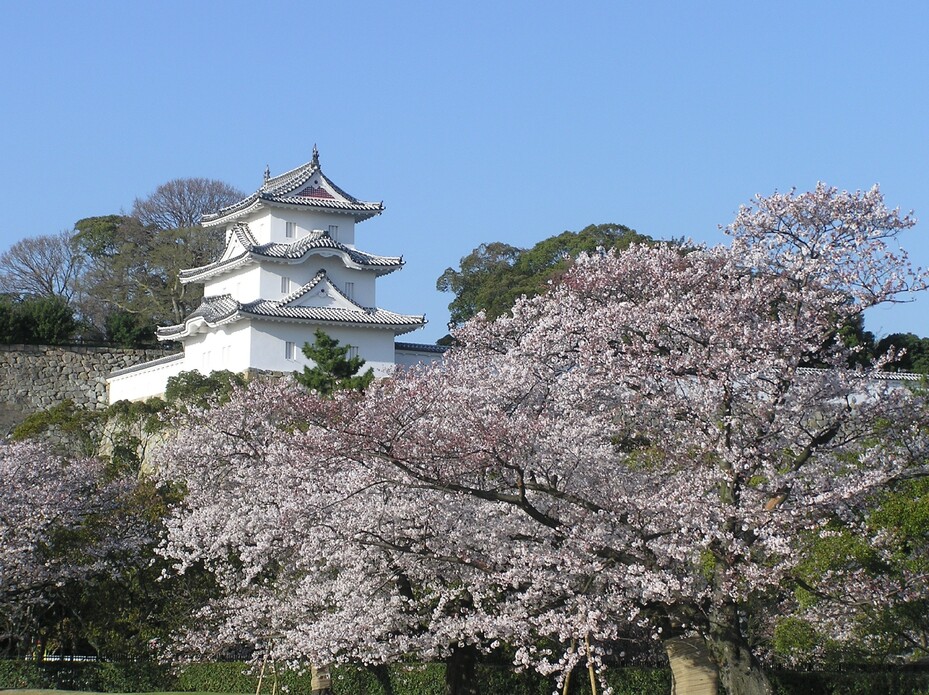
{"points": [[305, 186], [294, 252], [222, 309]]}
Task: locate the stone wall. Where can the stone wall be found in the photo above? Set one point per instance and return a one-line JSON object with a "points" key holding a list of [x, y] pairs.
{"points": [[36, 377]]}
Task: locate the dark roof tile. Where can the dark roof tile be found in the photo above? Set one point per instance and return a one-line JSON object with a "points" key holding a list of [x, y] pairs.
{"points": [[293, 188], [289, 252], [223, 309]]}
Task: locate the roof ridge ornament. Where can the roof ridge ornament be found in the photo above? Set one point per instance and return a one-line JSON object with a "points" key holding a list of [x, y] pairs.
{"points": [[267, 172], [315, 156]]}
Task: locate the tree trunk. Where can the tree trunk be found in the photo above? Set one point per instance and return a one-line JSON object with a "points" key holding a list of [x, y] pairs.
{"points": [[460, 672], [693, 671], [590, 667], [739, 671], [320, 680], [382, 673]]}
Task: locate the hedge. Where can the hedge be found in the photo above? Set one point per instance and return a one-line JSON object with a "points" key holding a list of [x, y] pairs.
{"points": [[230, 677], [104, 677], [417, 679], [108, 677], [896, 682], [23, 674]]}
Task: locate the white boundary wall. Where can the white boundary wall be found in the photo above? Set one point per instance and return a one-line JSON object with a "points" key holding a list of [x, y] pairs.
{"points": [[145, 380]]}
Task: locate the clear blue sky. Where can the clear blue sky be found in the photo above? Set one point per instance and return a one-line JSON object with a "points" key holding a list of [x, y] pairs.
{"points": [[473, 121]]}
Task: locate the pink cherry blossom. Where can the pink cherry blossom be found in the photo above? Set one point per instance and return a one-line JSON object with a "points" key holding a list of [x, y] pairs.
{"points": [[56, 524], [639, 448]]}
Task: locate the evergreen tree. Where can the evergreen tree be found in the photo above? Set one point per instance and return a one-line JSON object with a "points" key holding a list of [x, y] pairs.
{"points": [[11, 320], [334, 369], [125, 329], [493, 276], [47, 320], [915, 356]]}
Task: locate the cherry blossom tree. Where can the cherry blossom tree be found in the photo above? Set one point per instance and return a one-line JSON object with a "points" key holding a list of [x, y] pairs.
{"points": [[640, 447], [56, 527], [320, 559], [861, 585]]}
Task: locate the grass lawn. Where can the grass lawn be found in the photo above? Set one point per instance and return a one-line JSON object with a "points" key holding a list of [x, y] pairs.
{"points": [[89, 692]]}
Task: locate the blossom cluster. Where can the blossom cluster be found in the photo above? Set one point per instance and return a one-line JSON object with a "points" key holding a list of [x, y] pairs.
{"points": [[641, 447]]}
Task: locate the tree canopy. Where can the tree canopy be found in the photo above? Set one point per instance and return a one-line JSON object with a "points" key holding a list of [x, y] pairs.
{"points": [[36, 319], [180, 203], [62, 522], [133, 261], [42, 266], [641, 447], [912, 352], [119, 273], [494, 275]]}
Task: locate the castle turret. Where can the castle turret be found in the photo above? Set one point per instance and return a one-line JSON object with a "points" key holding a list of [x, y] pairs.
{"points": [[290, 266]]}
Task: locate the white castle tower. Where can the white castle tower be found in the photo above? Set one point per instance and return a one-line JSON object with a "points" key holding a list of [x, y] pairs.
{"points": [[290, 267]]}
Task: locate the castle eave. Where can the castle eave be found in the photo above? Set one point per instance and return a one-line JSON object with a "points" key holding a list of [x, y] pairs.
{"points": [[303, 187], [299, 251]]}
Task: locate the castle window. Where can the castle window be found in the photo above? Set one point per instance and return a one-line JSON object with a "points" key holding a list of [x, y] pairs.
{"points": [[290, 351], [350, 290], [290, 230], [352, 352], [285, 285], [334, 231]]}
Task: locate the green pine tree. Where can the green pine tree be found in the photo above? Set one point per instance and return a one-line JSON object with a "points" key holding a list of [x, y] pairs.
{"points": [[334, 369]]}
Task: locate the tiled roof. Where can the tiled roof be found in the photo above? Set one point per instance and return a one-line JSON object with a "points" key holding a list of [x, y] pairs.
{"points": [[214, 311], [305, 186], [421, 347], [871, 374], [289, 252], [167, 359], [244, 235], [372, 316], [322, 240]]}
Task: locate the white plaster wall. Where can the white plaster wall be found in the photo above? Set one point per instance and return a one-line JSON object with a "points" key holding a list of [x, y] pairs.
{"points": [[243, 284], [411, 358], [256, 282], [346, 233], [276, 218], [376, 346], [302, 273], [224, 347], [143, 383], [365, 290], [259, 225]]}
